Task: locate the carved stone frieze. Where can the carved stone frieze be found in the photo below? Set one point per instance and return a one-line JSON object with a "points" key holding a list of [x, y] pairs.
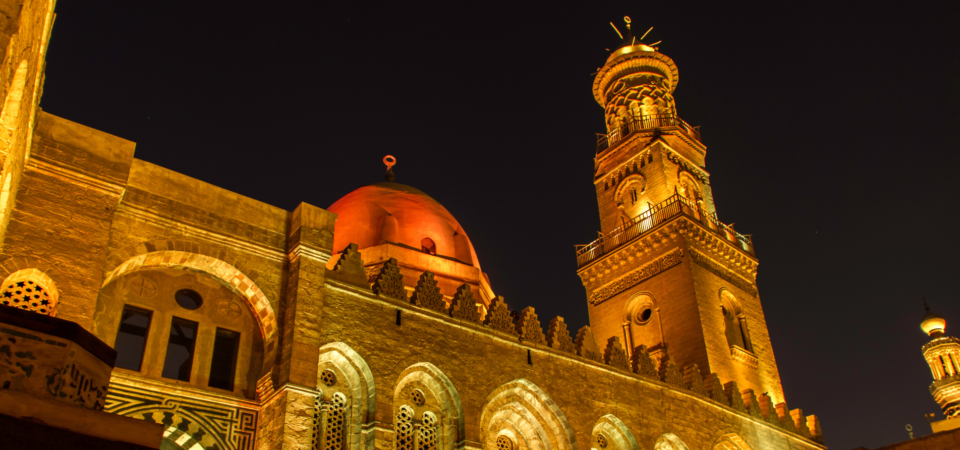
{"points": [[743, 357], [645, 272], [675, 158]]}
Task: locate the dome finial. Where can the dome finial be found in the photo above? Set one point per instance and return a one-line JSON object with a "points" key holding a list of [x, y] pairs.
{"points": [[390, 161], [932, 324]]}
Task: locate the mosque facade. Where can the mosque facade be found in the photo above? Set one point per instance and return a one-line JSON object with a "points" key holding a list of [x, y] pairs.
{"points": [[215, 321]]}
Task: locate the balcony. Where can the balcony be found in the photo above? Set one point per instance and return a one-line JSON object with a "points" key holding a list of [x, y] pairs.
{"points": [[640, 123], [661, 213]]}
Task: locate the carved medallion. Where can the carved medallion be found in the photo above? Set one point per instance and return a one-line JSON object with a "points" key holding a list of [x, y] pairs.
{"points": [[229, 309]]}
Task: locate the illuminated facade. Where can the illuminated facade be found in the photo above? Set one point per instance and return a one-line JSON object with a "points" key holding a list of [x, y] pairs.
{"points": [[370, 325], [943, 355]]}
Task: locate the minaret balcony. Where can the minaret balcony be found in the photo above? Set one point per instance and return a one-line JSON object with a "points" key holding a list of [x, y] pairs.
{"points": [[644, 123], [664, 212]]}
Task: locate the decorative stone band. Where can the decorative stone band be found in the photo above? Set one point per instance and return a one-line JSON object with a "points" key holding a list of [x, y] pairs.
{"points": [[647, 271], [723, 272], [945, 342], [743, 356]]}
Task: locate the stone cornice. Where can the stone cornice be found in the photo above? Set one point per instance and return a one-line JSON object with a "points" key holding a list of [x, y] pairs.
{"points": [[698, 237], [56, 170], [153, 218]]}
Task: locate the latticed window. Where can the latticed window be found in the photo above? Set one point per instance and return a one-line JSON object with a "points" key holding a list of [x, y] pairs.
{"points": [[504, 443], [329, 423], [29, 295], [428, 432], [405, 434]]}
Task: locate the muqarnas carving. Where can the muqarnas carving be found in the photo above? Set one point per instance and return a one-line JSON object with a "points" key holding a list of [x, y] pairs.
{"points": [[614, 355], [528, 327], [642, 363], [463, 306], [389, 281], [586, 345], [558, 337], [499, 317], [427, 295]]}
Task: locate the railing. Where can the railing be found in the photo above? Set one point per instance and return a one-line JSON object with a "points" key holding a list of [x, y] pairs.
{"points": [[647, 122], [672, 207]]}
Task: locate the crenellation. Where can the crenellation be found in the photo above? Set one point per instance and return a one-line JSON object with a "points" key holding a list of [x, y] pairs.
{"points": [[463, 306], [694, 380], [614, 354], [558, 337]]}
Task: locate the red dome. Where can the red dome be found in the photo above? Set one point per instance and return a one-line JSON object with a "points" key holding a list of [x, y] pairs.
{"points": [[399, 214]]}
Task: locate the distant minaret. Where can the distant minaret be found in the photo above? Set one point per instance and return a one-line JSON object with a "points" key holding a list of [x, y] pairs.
{"points": [[943, 356]]}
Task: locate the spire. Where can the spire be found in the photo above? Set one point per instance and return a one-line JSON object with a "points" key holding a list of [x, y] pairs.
{"points": [[932, 324], [390, 161]]}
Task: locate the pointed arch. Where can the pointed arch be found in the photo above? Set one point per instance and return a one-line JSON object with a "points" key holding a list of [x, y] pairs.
{"points": [[614, 432], [353, 379], [670, 441], [731, 441], [437, 396], [521, 409]]}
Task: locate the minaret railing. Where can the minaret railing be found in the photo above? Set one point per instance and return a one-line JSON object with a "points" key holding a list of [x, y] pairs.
{"points": [[644, 122], [660, 213]]}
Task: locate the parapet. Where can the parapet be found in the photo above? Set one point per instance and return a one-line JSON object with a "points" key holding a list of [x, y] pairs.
{"points": [[526, 328]]}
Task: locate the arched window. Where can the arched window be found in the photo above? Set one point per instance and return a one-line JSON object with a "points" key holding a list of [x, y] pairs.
{"points": [[430, 416], [735, 322], [610, 433], [428, 246], [330, 422], [31, 290]]}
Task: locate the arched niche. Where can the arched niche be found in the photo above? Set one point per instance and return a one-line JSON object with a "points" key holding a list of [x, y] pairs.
{"points": [[735, 321], [642, 316], [429, 401], [352, 378], [524, 411], [231, 277], [610, 433], [182, 326]]}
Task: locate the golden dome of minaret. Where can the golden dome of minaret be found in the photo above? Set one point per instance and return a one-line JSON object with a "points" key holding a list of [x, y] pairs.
{"points": [[932, 324]]}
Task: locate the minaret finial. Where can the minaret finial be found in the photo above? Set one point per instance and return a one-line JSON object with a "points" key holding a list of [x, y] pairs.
{"points": [[389, 160]]}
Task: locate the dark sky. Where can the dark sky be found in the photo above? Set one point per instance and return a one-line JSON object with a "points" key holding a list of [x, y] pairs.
{"points": [[831, 131]]}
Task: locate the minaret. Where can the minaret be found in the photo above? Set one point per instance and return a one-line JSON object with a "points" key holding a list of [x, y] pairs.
{"points": [[665, 273], [943, 355]]}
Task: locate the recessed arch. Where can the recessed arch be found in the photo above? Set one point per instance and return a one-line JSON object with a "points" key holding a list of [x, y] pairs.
{"points": [[670, 441], [354, 378], [439, 397], [614, 432], [525, 410], [731, 442], [230, 276]]}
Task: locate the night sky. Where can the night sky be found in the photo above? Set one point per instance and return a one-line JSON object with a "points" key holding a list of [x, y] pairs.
{"points": [[831, 134]]}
